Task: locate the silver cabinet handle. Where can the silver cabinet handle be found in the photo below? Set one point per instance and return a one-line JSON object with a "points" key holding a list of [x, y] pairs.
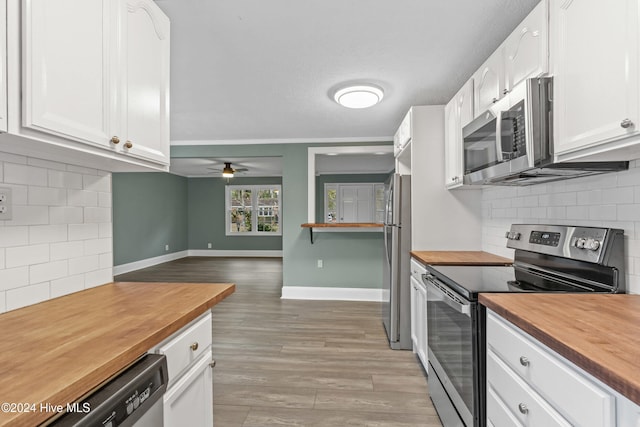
{"points": [[524, 361], [194, 346], [505, 91], [523, 408], [494, 100], [212, 364], [626, 123]]}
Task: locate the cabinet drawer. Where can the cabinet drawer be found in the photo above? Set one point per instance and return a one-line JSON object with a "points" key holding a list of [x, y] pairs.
{"points": [[417, 270], [187, 346], [518, 398], [497, 412], [566, 388]]}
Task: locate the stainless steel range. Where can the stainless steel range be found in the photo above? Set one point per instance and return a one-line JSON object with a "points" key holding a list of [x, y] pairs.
{"points": [[548, 258]]}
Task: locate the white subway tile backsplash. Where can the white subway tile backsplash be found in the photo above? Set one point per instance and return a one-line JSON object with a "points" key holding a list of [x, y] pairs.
{"points": [[23, 174], [66, 215], [47, 234], [97, 215], [63, 179], [67, 250], [26, 255], [84, 231], [48, 271], [67, 285], [49, 248], [27, 295], [14, 236], [609, 200], [84, 264]]}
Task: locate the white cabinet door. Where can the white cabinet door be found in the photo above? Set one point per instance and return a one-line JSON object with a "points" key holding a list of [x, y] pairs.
{"points": [[356, 203], [489, 82], [189, 402], [526, 50], [422, 325], [145, 55], [3, 65], [68, 48], [415, 305], [458, 113], [595, 56]]}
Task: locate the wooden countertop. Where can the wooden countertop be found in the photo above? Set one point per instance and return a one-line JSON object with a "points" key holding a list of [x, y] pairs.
{"points": [[459, 258], [599, 333], [59, 350], [342, 225]]}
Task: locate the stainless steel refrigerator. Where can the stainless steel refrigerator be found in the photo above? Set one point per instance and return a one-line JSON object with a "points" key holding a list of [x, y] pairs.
{"points": [[396, 304]]}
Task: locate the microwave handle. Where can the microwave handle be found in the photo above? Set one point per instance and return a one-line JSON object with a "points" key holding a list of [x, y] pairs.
{"points": [[499, 152]]}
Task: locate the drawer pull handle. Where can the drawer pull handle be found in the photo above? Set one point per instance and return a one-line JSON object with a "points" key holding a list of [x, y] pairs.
{"points": [[212, 364], [128, 144], [524, 361], [626, 123], [523, 409], [115, 140], [194, 346]]}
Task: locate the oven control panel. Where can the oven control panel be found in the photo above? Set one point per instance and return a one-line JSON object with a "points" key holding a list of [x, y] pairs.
{"points": [[544, 238]]}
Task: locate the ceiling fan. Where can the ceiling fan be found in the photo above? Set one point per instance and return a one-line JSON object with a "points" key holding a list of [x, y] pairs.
{"points": [[228, 171]]}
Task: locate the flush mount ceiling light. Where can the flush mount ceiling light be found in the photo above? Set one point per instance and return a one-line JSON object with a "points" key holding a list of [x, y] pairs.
{"points": [[362, 96]]}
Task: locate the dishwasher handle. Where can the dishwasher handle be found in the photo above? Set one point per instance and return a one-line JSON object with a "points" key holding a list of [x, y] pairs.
{"points": [[448, 296]]}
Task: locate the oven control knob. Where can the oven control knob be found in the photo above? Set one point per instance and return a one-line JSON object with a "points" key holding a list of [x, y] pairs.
{"points": [[516, 236], [592, 244], [579, 243], [507, 235]]}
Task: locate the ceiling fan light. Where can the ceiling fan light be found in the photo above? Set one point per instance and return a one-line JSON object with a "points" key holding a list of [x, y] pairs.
{"points": [[228, 171], [363, 96]]}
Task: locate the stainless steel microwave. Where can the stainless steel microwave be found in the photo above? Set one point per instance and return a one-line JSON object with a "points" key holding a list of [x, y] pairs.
{"points": [[512, 142]]}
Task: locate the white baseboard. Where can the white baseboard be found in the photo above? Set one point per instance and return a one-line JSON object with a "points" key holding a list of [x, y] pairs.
{"points": [[335, 294], [238, 253], [149, 262]]}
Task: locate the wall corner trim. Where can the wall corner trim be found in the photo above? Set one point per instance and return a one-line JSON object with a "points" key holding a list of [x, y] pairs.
{"points": [[332, 294]]}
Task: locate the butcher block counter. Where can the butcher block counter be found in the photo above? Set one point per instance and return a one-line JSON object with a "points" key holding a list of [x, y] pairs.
{"points": [[598, 333], [459, 258], [57, 351]]}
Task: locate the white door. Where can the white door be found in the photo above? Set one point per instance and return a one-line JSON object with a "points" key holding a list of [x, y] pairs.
{"points": [[189, 402], [356, 203], [422, 325], [68, 48], [488, 82], [146, 94], [526, 50], [415, 305], [595, 54]]}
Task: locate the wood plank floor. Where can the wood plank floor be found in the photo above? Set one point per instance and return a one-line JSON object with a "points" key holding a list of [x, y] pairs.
{"points": [[299, 363]]}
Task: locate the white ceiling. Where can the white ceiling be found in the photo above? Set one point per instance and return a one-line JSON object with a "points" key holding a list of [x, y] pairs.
{"points": [[257, 70]]}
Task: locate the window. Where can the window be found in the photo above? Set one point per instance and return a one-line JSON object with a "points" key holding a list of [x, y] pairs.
{"points": [[253, 210], [354, 202]]}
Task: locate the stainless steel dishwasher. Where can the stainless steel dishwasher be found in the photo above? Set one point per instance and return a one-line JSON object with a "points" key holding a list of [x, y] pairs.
{"points": [[132, 398]]}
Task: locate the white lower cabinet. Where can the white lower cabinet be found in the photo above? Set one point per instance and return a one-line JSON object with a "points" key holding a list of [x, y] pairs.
{"points": [[529, 384], [188, 400], [419, 313]]}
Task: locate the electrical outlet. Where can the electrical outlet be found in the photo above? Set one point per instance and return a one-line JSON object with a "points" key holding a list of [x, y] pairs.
{"points": [[320, 263], [166, 247], [5, 204], [209, 245]]}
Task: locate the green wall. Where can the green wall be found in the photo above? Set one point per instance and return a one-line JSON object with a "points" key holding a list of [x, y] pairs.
{"points": [[350, 259], [206, 214], [321, 180], [149, 212]]}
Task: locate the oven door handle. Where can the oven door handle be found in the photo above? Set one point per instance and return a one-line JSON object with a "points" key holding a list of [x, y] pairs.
{"points": [[448, 297]]}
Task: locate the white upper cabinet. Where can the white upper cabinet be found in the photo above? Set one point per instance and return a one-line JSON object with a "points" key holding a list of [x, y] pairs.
{"points": [[68, 85], [526, 50], [146, 90], [524, 54], [3, 66], [403, 135], [595, 66], [489, 83], [88, 82], [457, 113]]}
